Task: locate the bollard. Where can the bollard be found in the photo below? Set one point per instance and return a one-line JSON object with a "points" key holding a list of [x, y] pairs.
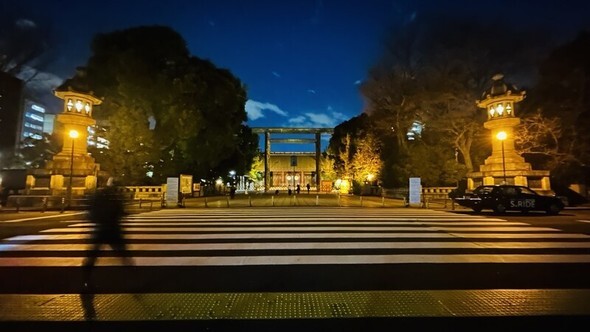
{"points": [[250, 200], [206, 205], [272, 200], [140, 201], [63, 204], [382, 201], [44, 204], [317, 200], [338, 199], [361, 199], [227, 199], [453, 204], [295, 200], [18, 204]]}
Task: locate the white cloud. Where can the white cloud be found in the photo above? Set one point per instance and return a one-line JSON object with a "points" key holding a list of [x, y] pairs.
{"points": [[318, 120], [311, 91], [321, 119], [255, 109], [275, 74], [24, 23], [357, 82], [297, 120]]}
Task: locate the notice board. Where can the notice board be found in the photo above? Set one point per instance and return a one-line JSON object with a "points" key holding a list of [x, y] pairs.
{"points": [[172, 191], [415, 192]]}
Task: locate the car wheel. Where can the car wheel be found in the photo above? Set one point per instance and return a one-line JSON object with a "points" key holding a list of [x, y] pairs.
{"points": [[553, 209], [500, 208]]}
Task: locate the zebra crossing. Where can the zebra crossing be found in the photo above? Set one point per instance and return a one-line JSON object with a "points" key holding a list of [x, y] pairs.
{"points": [[304, 236], [278, 265]]}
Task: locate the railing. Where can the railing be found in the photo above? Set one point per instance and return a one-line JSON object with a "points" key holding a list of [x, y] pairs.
{"points": [[430, 195], [42, 203], [145, 192]]}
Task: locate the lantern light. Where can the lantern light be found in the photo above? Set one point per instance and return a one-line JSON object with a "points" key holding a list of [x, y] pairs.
{"points": [[79, 105]]}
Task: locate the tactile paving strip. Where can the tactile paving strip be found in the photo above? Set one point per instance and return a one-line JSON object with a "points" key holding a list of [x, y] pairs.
{"points": [[294, 305]]}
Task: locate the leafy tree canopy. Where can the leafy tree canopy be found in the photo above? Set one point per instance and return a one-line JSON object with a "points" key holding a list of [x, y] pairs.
{"points": [[166, 111], [558, 127]]}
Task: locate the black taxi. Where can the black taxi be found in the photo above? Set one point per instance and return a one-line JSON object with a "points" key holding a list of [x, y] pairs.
{"points": [[502, 198]]}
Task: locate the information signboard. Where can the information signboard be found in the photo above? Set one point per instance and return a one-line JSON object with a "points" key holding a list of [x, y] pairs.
{"points": [[186, 183], [415, 192], [172, 191]]}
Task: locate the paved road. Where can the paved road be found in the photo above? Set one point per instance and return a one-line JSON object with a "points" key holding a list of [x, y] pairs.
{"points": [[301, 267]]}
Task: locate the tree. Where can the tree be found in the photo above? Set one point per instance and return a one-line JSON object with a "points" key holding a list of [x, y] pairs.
{"points": [[342, 146], [563, 92], [166, 110], [431, 72], [24, 40], [327, 167], [36, 152], [367, 159], [391, 87]]}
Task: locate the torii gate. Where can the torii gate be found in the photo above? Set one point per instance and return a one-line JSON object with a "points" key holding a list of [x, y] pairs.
{"points": [[279, 130]]}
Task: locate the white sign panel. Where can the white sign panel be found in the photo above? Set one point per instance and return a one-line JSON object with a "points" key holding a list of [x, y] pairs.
{"points": [[172, 191], [415, 191]]}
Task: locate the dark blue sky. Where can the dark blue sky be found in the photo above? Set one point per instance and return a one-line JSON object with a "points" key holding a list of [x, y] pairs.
{"points": [[301, 60]]}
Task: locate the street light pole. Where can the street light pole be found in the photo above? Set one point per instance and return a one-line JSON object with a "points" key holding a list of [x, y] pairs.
{"points": [[502, 136], [73, 135]]}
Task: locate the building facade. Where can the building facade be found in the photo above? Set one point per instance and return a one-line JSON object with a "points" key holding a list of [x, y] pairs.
{"points": [[11, 112], [289, 169], [33, 120]]}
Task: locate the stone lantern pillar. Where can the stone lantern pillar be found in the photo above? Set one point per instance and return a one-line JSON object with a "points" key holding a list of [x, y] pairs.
{"points": [[71, 170], [505, 165]]}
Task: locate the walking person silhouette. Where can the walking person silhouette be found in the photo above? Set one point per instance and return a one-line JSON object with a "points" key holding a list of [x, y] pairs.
{"points": [[106, 211]]}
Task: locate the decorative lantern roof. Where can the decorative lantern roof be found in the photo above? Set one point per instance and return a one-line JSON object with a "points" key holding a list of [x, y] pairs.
{"points": [[78, 83], [499, 87], [500, 97], [77, 96]]}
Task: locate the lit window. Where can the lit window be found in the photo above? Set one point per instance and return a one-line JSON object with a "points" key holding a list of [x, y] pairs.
{"points": [[500, 109], [34, 117], [79, 105], [38, 108]]}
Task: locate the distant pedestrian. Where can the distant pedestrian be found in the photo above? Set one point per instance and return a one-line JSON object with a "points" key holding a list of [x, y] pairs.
{"points": [[308, 187], [298, 189], [232, 192], [289, 191], [106, 211]]}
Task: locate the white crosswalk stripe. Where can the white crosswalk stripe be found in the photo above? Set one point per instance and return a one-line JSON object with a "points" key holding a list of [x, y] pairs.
{"points": [[293, 236]]}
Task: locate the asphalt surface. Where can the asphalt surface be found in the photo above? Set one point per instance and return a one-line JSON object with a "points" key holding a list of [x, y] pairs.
{"points": [[471, 288]]}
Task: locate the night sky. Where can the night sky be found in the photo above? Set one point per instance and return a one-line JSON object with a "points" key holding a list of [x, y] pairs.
{"points": [[302, 61]]}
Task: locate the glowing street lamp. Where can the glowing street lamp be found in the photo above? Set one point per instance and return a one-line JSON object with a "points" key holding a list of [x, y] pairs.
{"points": [[501, 136], [73, 135]]}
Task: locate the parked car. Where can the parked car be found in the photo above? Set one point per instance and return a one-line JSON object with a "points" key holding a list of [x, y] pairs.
{"points": [[504, 198]]}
